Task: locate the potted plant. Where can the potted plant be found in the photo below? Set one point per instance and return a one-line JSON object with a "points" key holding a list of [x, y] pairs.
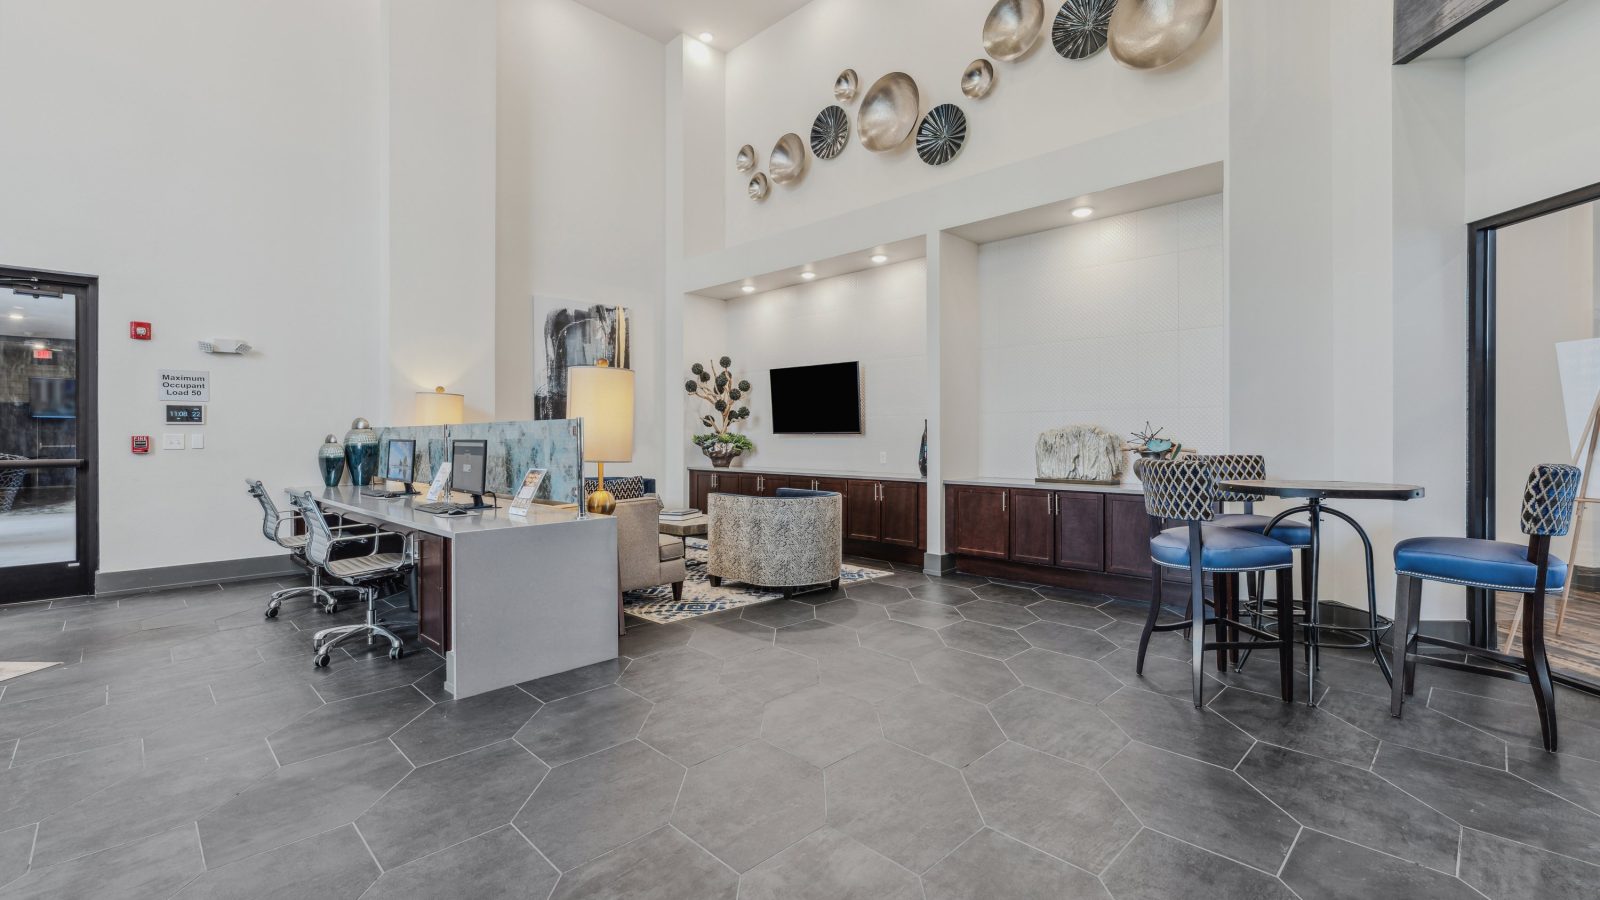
{"points": [[715, 384]]}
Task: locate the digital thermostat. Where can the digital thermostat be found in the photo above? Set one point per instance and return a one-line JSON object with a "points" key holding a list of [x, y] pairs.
{"points": [[185, 414]]}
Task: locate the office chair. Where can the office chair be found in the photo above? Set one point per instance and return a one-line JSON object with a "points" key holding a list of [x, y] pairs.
{"points": [[365, 573], [272, 522]]}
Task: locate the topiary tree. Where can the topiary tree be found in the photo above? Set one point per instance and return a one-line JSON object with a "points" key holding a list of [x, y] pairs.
{"points": [[716, 385]]}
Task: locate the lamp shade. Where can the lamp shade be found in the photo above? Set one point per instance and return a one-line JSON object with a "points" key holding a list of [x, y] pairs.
{"points": [[603, 398], [436, 407]]}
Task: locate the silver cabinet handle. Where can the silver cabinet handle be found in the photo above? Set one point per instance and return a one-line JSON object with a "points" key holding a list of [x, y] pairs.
{"points": [[1003, 495]]}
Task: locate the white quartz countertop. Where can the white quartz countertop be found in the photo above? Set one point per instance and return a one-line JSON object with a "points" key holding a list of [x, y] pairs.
{"points": [[1032, 485], [814, 473], [400, 511]]}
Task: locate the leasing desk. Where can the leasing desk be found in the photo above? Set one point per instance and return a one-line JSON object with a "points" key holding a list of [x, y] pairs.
{"points": [[505, 599]]}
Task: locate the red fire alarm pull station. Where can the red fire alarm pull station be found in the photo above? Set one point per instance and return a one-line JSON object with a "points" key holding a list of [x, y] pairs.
{"points": [[141, 443], [139, 331]]}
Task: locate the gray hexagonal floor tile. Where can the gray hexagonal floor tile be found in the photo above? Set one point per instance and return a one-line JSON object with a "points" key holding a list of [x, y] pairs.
{"points": [[750, 803], [1070, 676], [829, 865], [669, 673], [1068, 639], [965, 674], [993, 865], [907, 807], [1296, 726], [695, 727], [600, 802], [1174, 724], [820, 725], [662, 864], [1326, 868], [645, 638], [985, 640], [921, 612], [1060, 808], [769, 674], [852, 613], [1004, 615], [778, 613], [951, 729], [943, 594], [867, 674], [1156, 867], [900, 639], [1075, 614], [1059, 726], [725, 640], [817, 638], [566, 729]]}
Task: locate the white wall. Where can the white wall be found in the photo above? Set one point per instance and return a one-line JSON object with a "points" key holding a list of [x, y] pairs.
{"points": [[217, 166], [580, 192], [875, 317], [1093, 324], [779, 80]]}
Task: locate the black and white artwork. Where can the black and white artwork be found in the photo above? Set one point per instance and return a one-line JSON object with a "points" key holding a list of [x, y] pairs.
{"points": [[567, 334], [941, 134], [830, 133], [1080, 28]]}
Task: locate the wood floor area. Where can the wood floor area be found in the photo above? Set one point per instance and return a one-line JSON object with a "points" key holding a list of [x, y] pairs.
{"points": [[1577, 648]]}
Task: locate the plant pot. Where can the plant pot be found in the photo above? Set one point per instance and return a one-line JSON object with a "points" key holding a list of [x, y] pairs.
{"points": [[721, 455]]}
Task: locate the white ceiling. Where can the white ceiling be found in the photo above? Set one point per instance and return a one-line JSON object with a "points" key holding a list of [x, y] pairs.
{"points": [[730, 22]]}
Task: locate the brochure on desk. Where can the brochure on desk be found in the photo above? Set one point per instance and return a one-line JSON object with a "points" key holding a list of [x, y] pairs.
{"points": [[528, 492], [553, 446]]}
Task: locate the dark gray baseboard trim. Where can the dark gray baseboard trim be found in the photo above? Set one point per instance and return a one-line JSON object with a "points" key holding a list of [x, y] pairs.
{"points": [[136, 581], [939, 563]]}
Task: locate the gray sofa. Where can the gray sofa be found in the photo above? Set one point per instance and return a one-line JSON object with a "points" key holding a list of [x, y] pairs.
{"points": [[788, 541]]}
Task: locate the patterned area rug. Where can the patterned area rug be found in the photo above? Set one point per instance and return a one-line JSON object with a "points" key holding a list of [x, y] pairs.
{"points": [[700, 598]]}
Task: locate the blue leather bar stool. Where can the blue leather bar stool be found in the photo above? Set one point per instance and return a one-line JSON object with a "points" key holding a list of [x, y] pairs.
{"points": [[1184, 490], [1547, 505], [1297, 534]]}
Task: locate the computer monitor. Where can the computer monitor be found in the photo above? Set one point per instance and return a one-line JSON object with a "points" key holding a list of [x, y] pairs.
{"points": [[399, 462], [469, 465]]}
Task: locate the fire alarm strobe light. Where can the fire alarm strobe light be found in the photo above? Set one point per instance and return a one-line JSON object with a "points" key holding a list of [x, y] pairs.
{"points": [[139, 331]]}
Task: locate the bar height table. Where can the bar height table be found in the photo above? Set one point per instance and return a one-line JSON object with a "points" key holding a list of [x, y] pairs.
{"points": [[1315, 494]]}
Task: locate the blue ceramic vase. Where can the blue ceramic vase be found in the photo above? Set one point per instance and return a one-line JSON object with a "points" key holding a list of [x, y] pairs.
{"points": [[922, 455], [330, 459], [361, 452]]}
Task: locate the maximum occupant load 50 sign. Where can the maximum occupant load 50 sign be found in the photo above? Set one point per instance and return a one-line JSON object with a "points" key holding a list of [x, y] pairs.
{"points": [[183, 384]]}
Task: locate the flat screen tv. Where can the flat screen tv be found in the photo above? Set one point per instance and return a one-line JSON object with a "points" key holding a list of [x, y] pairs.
{"points": [[822, 399], [53, 398]]}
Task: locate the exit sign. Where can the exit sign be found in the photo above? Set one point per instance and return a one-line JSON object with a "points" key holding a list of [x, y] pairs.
{"points": [[43, 354]]}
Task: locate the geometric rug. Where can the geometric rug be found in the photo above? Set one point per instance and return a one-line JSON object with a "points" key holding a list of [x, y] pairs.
{"points": [[10, 670], [655, 604]]}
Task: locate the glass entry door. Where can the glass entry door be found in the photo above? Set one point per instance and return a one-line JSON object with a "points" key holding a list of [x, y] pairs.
{"points": [[48, 529]]}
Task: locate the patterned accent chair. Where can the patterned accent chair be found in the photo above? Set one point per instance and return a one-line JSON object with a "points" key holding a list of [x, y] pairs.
{"points": [[1547, 505], [1184, 490], [645, 556], [791, 540], [11, 483]]}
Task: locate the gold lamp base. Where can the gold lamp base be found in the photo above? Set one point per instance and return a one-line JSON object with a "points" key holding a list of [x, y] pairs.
{"points": [[601, 502]]}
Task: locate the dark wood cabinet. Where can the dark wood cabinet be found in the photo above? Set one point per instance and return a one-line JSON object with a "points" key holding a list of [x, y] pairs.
{"points": [[882, 519], [1080, 530], [900, 513], [863, 515], [1127, 537], [1033, 527], [981, 521], [433, 591]]}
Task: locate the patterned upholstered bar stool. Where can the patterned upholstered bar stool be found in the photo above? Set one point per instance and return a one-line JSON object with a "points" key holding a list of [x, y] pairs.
{"points": [[1547, 504], [1184, 490], [1295, 533]]}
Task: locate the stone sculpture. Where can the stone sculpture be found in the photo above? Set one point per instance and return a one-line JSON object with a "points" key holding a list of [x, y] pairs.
{"points": [[1080, 453]]}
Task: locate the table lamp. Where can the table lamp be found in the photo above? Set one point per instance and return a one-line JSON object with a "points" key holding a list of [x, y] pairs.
{"points": [[603, 398], [436, 407]]}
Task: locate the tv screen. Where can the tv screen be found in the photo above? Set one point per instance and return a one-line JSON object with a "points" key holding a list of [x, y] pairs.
{"points": [[53, 398], [822, 399]]}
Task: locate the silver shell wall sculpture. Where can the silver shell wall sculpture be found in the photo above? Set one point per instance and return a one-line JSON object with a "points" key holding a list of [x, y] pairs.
{"points": [[745, 159], [941, 134], [1148, 34], [844, 87], [758, 187], [1012, 28], [978, 80], [1079, 31], [787, 161], [888, 112], [830, 132]]}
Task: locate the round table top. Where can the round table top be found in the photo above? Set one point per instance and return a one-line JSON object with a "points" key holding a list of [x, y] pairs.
{"points": [[1323, 490]]}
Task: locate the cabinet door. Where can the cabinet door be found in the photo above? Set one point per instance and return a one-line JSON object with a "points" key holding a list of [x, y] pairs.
{"points": [[433, 591], [1127, 536], [900, 504], [699, 487], [981, 526], [1033, 527], [864, 515], [838, 486], [736, 483], [1080, 531]]}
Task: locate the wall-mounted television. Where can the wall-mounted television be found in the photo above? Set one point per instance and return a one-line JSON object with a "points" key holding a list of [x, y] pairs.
{"points": [[823, 399], [53, 398]]}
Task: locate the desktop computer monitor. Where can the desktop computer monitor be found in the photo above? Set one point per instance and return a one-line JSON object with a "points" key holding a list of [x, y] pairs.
{"points": [[398, 462], [469, 465]]}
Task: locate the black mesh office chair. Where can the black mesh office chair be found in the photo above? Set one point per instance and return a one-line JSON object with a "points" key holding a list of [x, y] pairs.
{"points": [[365, 572]]}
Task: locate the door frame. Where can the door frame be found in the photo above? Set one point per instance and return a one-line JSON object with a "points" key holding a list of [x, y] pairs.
{"points": [[1481, 384], [49, 580]]}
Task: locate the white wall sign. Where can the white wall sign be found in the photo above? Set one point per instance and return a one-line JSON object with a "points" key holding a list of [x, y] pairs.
{"points": [[184, 384]]}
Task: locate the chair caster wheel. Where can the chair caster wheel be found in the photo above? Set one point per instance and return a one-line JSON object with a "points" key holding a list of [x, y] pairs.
{"points": [[396, 652], [332, 608], [272, 613], [321, 661]]}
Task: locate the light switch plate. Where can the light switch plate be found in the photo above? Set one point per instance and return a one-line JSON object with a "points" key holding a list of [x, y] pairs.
{"points": [[197, 441], [883, 456], [172, 442]]}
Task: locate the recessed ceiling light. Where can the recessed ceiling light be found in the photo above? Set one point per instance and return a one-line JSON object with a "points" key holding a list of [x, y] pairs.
{"points": [[808, 275], [1083, 212], [748, 289], [40, 345], [15, 316], [879, 258], [705, 37]]}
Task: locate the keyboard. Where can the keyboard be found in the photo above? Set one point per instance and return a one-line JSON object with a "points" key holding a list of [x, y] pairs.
{"points": [[439, 508], [382, 494]]}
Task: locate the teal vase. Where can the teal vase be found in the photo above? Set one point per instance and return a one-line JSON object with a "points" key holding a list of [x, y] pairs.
{"points": [[361, 452], [331, 460]]}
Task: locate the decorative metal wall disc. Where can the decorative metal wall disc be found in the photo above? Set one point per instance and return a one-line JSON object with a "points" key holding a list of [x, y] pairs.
{"points": [[978, 80], [1080, 27], [1012, 28], [1148, 34], [745, 159], [758, 187], [787, 161], [888, 112], [844, 87], [941, 134], [830, 132]]}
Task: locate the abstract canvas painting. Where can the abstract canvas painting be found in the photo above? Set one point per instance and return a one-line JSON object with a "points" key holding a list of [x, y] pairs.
{"points": [[568, 334]]}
